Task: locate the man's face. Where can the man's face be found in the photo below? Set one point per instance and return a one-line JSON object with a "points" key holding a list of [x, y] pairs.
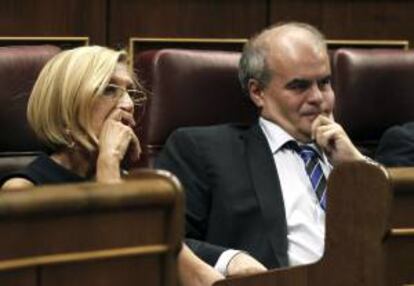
{"points": [[300, 90]]}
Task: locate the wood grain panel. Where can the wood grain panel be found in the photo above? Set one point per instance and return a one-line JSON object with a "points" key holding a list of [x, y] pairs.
{"points": [[113, 22], [368, 19], [18, 277], [184, 18], [54, 18], [360, 19], [295, 10]]}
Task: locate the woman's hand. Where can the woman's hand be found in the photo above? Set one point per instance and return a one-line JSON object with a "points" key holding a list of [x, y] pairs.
{"points": [[116, 140]]}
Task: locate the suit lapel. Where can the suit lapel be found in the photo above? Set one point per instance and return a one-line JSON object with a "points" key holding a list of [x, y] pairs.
{"points": [[267, 186]]}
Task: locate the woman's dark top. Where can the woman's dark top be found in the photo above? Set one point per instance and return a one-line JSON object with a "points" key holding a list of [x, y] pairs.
{"points": [[44, 170]]}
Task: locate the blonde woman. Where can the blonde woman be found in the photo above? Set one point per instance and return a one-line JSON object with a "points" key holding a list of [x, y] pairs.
{"points": [[82, 108]]}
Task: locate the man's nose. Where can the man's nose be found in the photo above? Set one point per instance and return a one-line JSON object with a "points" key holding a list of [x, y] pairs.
{"points": [[315, 93]]}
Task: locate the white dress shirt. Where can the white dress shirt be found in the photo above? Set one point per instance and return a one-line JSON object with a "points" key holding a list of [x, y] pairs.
{"points": [[304, 215]]}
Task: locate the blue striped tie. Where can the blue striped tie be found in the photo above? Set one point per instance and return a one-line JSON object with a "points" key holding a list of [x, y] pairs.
{"points": [[313, 168]]}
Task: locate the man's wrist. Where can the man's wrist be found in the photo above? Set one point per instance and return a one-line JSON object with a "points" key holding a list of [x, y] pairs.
{"points": [[224, 260], [371, 161]]}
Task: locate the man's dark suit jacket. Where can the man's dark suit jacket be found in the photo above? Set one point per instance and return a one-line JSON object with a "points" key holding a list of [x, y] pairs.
{"points": [[396, 147], [233, 194]]}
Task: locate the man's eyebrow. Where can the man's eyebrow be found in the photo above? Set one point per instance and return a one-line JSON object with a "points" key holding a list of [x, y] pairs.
{"points": [[327, 77], [302, 82], [297, 82]]}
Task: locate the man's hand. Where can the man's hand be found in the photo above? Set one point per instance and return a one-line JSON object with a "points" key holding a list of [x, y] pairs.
{"points": [[195, 272], [333, 140], [242, 264]]}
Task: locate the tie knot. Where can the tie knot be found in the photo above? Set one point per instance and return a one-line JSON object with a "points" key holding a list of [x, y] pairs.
{"points": [[307, 152]]}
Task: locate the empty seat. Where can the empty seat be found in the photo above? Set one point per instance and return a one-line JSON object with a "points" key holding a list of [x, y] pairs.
{"points": [[373, 92]]}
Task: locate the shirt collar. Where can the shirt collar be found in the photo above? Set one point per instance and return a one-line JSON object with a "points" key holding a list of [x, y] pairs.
{"points": [[277, 137]]}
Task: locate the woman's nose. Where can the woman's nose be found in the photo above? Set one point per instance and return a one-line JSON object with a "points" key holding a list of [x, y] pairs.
{"points": [[126, 103]]}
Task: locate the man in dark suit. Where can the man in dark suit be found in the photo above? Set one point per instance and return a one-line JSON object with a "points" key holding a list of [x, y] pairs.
{"points": [[396, 147], [258, 188]]}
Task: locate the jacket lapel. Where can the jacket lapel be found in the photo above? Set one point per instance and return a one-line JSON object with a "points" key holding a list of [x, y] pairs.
{"points": [[267, 186]]}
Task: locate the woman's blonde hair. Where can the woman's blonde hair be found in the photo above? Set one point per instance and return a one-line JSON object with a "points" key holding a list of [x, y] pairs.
{"points": [[59, 108]]}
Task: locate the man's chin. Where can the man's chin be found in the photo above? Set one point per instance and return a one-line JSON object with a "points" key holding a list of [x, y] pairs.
{"points": [[304, 135], [306, 139]]}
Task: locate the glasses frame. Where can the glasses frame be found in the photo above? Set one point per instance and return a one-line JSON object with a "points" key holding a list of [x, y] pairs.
{"points": [[138, 97]]}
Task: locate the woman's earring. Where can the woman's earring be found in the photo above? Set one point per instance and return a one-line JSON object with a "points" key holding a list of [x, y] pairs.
{"points": [[71, 144]]}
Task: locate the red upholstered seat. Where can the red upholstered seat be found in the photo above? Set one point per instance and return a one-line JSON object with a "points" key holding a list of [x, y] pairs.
{"points": [[188, 88], [199, 87], [19, 68], [374, 91]]}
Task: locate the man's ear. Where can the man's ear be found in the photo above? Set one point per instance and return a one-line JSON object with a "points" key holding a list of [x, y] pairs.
{"points": [[255, 92]]}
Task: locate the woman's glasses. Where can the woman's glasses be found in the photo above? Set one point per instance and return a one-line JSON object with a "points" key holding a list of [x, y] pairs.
{"points": [[115, 91]]}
